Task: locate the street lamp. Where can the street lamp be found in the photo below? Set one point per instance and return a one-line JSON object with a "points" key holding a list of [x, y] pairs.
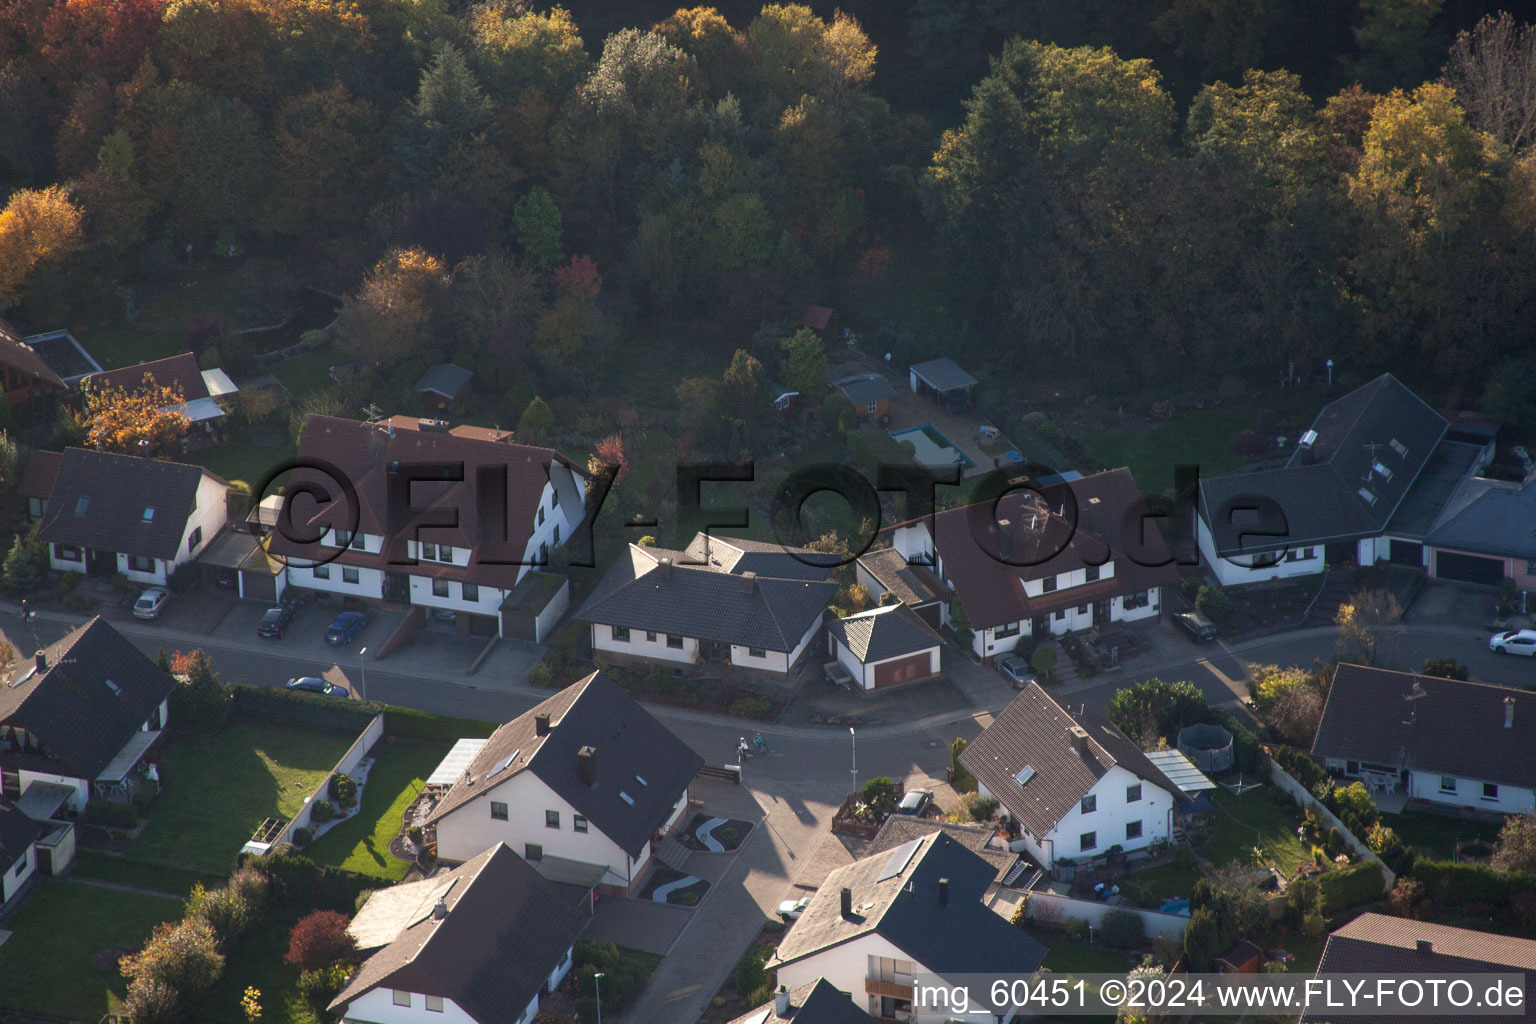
{"points": [[597, 981], [1330, 373], [362, 665], [853, 741]]}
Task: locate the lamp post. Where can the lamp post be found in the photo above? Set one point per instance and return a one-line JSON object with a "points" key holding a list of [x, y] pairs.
{"points": [[362, 665], [597, 982], [853, 741], [1330, 373]]}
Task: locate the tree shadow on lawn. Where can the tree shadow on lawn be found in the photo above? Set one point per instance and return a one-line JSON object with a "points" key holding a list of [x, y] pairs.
{"points": [[361, 843]]}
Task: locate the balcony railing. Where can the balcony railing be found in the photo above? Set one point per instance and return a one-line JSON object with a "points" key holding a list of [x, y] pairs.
{"points": [[889, 989]]}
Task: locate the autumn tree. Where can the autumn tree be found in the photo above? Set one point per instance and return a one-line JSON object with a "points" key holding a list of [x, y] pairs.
{"points": [[38, 228], [1493, 71], [704, 33], [129, 420], [609, 453], [804, 366], [536, 422], [497, 301], [183, 954], [324, 159], [319, 940], [390, 315], [518, 50], [564, 331], [1265, 130], [1364, 622], [1515, 851], [537, 220]]}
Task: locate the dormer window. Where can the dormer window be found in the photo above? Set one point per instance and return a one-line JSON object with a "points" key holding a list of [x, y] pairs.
{"points": [[82, 503], [1382, 471], [1048, 584]]}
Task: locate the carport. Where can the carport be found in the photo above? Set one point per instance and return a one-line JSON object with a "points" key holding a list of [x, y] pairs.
{"points": [[944, 382], [1451, 565], [257, 577]]}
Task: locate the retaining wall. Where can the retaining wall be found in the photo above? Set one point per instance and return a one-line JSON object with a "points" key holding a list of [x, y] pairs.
{"points": [[1288, 783], [370, 735], [1050, 908]]}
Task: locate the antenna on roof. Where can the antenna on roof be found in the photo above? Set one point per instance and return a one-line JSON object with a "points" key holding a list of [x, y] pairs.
{"points": [[1418, 693], [1370, 447], [372, 413]]}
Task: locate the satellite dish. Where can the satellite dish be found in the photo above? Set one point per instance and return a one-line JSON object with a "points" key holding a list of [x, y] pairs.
{"points": [[887, 357]]}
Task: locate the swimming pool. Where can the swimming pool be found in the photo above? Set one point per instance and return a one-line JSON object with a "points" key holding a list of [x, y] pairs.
{"points": [[1176, 907], [933, 448]]}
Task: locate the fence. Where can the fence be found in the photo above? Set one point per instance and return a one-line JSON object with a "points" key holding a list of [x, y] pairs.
{"points": [[1283, 780], [348, 763], [1048, 907]]}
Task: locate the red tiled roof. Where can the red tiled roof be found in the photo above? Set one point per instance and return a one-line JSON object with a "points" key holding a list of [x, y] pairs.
{"points": [[816, 317], [17, 354], [179, 371], [42, 470]]}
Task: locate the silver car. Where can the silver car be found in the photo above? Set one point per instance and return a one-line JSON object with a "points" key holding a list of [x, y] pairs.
{"points": [[150, 603]]}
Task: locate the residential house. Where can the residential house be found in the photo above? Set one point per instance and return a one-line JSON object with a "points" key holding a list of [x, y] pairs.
{"points": [[886, 571], [815, 1003], [1438, 740], [63, 354], [1376, 944], [201, 390], [141, 517], [443, 387], [32, 388], [82, 713], [878, 923], [581, 786], [665, 607], [18, 856], [479, 945], [509, 504], [1379, 477], [870, 394], [739, 555], [944, 382], [884, 646], [983, 840], [1054, 560], [1075, 785]]}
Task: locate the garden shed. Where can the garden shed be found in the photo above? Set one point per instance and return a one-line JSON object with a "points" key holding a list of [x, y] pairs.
{"points": [[944, 382]]}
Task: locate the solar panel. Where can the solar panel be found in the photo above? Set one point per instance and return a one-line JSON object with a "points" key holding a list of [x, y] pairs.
{"points": [[1025, 774], [899, 859], [503, 764]]}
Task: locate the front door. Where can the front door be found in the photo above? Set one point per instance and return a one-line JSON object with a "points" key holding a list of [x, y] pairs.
{"points": [[397, 588], [711, 650], [1101, 612], [1040, 627], [44, 861], [100, 563]]}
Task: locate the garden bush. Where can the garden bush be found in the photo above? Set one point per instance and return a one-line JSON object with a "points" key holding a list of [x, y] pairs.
{"points": [[1353, 805], [302, 837], [1185, 858], [1301, 767], [1469, 883], [751, 707], [1122, 929], [224, 910], [145, 795], [319, 940], [1407, 898], [304, 708], [343, 789], [110, 814], [975, 807], [151, 1001], [297, 880], [880, 793], [182, 954], [252, 886], [623, 977], [320, 986], [321, 812], [1351, 886], [962, 780]]}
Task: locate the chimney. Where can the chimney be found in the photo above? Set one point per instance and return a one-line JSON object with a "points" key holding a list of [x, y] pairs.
{"points": [[42, 661], [943, 892], [749, 581], [1005, 538], [1509, 712], [586, 765], [1093, 516], [541, 725], [1079, 737], [781, 1003], [1424, 946], [847, 904], [439, 910], [664, 566]]}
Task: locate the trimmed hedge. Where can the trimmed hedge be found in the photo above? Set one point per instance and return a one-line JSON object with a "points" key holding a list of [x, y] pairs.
{"points": [[299, 881], [305, 708], [1470, 883], [420, 725], [1352, 886], [1301, 767], [110, 814], [1247, 751]]}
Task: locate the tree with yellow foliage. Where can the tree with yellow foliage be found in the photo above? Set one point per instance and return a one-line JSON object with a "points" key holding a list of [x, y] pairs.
{"points": [[38, 227], [389, 316], [119, 419]]}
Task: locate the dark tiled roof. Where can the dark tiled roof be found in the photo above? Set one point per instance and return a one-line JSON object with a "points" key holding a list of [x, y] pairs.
{"points": [[992, 590], [910, 583], [506, 930], [643, 591], [1457, 728], [17, 832], [1240, 952], [943, 374], [882, 633], [22, 357], [1034, 731], [630, 744], [903, 906], [38, 478], [1491, 517], [863, 390], [117, 489], [1378, 944], [174, 371], [737, 555], [815, 1003], [1441, 476], [903, 828], [444, 379], [80, 719], [1318, 490]]}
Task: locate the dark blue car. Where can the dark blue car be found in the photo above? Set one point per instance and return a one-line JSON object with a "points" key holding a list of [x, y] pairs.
{"points": [[344, 629]]}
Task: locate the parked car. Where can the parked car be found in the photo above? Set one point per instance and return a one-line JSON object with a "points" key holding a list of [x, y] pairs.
{"points": [[314, 684], [915, 802], [1196, 625], [1514, 641], [151, 603], [274, 621], [1017, 671], [344, 628], [789, 910]]}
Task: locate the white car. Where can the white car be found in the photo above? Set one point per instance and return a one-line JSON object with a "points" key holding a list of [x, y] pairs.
{"points": [[150, 603], [789, 910], [1514, 641]]}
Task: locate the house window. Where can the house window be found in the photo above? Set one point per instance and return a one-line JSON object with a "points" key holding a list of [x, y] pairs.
{"points": [[1530, 567], [1061, 613], [435, 1004], [579, 823], [138, 563], [555, 537], [1012, 629], [541, 515], [1091, 573], [1088, 804], [1133, 793], [1088, 841], [873, 407], [498, 811], [757, 652], [402, 998], [551, 819], [1048, 584], [543, 554], [343, 538], [621, 634], [429, 551], [439, 588], [322, 572], [350, 575], [1447, 783], [471, 591], [444, 553], [650, 635], [65, 553], [1490, 791], [196, 539], [675, 642], [554, 497], [1082, 609], [1140, 599], [533, 851], [1133, 830]]}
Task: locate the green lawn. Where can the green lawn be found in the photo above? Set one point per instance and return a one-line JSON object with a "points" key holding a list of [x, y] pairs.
{"points": [[219, 789], [361, 843], [244, 459], [62, 959], [1155, 886], [309, 372], [1063, 956], [1260, 817], [160, 877], [258, 962], [1435, 835]]}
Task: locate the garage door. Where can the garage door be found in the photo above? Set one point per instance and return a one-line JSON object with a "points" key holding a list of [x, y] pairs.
{"points": [[1406, 552], [1469, 568], [901, 670]]}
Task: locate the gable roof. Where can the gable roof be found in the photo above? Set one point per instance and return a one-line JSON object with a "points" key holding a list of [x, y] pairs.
{"points": [[1030, 527], [1035, 732], [1494, 517], [179, 371], [95, 695], [1457, 728], [38, 477], [737, 555], [1323, 487], [866, 388], [629, 745], [446, 379], [896, 895], [21, 357], [943, 374], [878, 634], [652, 589], [506, 929], [1377, 944], [903, 828], [100, 500], [17, 832], [817, 1002], [1451, 463]]}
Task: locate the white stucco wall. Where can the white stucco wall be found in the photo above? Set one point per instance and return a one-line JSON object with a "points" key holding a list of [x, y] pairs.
{"points": [[638, 646], [376, 1006], [1309, 560], [563, 501], [1469, 793], [545, 622], [370, 582], [489, 602], [17, 871], [845, 966], [1108, 819], [82, 787]]}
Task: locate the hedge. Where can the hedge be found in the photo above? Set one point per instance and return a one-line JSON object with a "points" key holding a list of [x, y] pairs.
{"points": [[1301, 767], [305, 708], [1352, 886], [110, 814], [1246, 749], [300, 881], [420, 725], [1470, 883]]}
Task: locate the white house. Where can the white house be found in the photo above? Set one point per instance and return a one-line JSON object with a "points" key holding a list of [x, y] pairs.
{"points": [[1067, 556], [878, 923], [885, 646], [1076, 786], [581, 786], [143, 518], [1439, 740], [82, 714], [447, 520], [816, 1003], [479, 945], [674, 608], [18, 856]]}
